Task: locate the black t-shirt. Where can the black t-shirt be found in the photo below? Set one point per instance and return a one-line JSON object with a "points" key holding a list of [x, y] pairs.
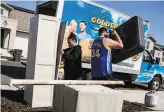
{"points": [[72, 57]]}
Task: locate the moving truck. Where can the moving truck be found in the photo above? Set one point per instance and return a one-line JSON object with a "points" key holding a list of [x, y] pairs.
{"points": [[94, 15]]}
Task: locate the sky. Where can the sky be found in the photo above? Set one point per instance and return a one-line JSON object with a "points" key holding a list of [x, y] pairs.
{"points": [[152, 11]]}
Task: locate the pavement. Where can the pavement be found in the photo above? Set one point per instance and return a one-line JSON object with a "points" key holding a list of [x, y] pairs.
{"points": [[138, 97], [135, 93]]}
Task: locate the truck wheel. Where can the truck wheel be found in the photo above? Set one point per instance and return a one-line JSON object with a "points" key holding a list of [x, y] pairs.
{"points": [[154, 84]]}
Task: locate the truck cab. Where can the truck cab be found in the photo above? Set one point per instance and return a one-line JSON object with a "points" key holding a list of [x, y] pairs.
{"points": [[151, 72]]}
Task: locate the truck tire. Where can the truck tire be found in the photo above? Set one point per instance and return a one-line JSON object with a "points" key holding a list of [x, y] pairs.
{"points": [[154, 84]]}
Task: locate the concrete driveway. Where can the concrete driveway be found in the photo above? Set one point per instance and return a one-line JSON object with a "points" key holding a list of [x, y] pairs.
{"points": [[138, 96], [136, 93]]}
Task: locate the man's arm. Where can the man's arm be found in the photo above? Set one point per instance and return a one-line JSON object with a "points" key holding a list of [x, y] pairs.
{"points": [[74, 55], [118, 38], [63, 52], [109, 43], [66, 50], [112, 43]]}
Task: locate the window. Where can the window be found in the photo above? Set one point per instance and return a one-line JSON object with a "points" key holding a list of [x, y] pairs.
{"points": [[158, 60], [163, 59], [147, 57], [1, 11], [152, 52], [148, 44]]}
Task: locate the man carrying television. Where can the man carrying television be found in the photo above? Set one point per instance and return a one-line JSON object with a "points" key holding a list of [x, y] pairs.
{"points": [[101, 61]]}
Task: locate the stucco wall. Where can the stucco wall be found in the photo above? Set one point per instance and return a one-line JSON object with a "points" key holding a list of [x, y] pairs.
{"points": [[21, 42], [5, 11]]}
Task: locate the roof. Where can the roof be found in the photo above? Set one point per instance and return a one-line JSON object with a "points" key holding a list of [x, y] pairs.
{"points": [[152, 38], [6, 5], [159, 46], [22, 9], [23, 17]]}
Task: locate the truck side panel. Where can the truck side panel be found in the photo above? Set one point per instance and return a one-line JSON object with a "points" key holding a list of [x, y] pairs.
{"points": [[95, 17]]}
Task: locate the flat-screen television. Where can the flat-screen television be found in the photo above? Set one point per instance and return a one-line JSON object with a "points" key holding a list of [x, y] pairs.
{"points": [[132, 35]]}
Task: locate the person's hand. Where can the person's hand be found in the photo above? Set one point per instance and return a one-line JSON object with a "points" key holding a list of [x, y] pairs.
{"points": [[113, 32], [62, 52]]}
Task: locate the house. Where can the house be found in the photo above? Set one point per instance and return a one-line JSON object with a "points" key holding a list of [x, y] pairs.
{"points": [[150, 43], [159, 53], [15, 22], [156, 50]]}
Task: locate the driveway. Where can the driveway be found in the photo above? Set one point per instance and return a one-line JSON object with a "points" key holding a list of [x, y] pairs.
{"points": [[138, 96]]}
